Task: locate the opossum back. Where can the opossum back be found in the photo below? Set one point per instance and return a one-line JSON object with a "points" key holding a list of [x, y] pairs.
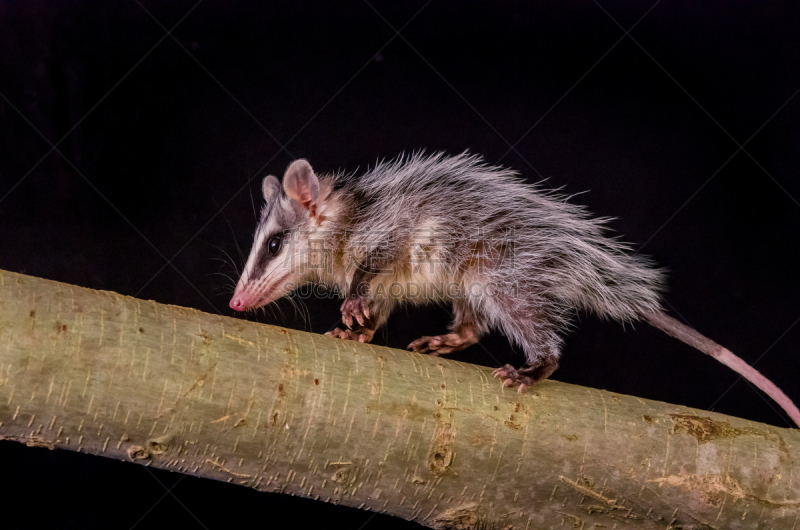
{"points": [[558, 248]]}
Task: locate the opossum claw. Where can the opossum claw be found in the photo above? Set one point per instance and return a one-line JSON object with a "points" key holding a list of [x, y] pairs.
{"points": [[357, 308], [507, 371], [510, 376], [442, 344], [362, 335]]}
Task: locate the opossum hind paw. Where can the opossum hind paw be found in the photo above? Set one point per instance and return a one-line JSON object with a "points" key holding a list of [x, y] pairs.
{"points": [[441, 344], [527, 375], [511, 376]]}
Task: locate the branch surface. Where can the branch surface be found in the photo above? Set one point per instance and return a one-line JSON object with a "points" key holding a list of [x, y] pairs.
{"points": [[426, 439]]}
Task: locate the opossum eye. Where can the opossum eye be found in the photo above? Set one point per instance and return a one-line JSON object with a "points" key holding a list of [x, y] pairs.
{"points": [[274, 245]]}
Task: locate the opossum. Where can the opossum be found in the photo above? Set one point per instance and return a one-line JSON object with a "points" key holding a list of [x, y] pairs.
{"points": [[452, 229]]}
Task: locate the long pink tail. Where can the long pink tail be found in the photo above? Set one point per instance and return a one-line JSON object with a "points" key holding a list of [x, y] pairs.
{"points": [[684, 333]]}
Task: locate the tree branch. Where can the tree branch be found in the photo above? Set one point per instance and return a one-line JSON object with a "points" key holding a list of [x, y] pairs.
{"points": [[423, 438]]}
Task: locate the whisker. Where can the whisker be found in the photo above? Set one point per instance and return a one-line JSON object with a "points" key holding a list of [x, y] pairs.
{"points": [[233, 233], [230, 260], [250, 188]]}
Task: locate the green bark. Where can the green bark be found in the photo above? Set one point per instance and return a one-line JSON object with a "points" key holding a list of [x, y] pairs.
{"points": [[427, 439]]}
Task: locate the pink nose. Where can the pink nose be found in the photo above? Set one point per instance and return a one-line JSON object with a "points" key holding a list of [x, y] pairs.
{"points": [[238, 302]]}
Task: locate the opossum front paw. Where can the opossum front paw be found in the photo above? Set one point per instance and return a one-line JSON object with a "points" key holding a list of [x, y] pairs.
{"points": [[511, 376], [362, 335], [357, 308], [441, 344]]}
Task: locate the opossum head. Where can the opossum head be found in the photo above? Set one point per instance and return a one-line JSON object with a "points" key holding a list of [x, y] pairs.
{"points": [[278, 261]]}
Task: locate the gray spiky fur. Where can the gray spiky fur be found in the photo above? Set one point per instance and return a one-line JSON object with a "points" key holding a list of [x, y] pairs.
{"points": [[559, 258], [562, 259]]}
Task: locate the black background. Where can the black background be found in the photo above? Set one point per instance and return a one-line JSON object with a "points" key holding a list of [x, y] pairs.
{"points": [[163, 141]]}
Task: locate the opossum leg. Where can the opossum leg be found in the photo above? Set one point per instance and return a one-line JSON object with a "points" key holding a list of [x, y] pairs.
{"points": [[359, 304], [465, 331], [527, 375], [526, 323]]}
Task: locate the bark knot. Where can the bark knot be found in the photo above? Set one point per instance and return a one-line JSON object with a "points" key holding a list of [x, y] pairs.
{"points": [[468, 517], [441, 455], [137, 452], [706, 429]]}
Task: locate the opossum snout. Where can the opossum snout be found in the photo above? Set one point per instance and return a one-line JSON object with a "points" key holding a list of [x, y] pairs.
{"points": [[241, 302], [244, 299], [251, 295]]}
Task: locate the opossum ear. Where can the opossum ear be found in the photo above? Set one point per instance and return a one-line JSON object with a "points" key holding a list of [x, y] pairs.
{"points": [[270, 186], [301, 184]]}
